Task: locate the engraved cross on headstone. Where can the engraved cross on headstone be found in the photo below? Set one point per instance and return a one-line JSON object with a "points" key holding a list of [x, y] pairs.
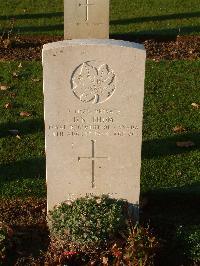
{"points": [[86, 5], [93, 158], [86, 19]]}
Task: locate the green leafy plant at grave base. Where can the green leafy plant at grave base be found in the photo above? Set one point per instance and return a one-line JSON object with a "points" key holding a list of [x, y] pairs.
{"points": [[189, 239], [5, 234], [98, 231], [88, 222]]}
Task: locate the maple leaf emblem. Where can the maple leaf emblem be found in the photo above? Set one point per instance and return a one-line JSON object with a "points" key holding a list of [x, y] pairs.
{"points": [[93, 84]]}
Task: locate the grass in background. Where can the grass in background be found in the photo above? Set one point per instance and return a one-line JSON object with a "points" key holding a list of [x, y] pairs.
{"points": [[138, 17], [22, 161], [155, 17], [171, 88], [170, 178], [170, 174]]}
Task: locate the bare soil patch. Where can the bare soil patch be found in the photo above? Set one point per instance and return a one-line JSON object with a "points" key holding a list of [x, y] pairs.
{"points": [[30, 47], [27, 219]]}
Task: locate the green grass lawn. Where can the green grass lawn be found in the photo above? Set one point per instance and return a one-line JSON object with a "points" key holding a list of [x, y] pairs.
{"points": [[171, 175], [171, 88], [22, 160], [138, 17], [170, 178]]}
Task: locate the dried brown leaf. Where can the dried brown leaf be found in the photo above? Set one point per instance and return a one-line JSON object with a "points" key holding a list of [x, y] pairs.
{"points": [[18, 137], [105, 261], [15, 74], [13, 94], [178, 129], [8, 105], [93, 263], [185, 144], [7, 43], [25, 114], [195, 105], [4, 87], [35, 80]]}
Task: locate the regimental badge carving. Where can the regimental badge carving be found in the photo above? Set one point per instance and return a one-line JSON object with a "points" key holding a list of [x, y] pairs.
{"points": [[93, 82]]}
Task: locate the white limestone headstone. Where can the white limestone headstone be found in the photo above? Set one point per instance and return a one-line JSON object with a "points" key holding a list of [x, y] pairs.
{"points": [[86, 19], [93, 92]]}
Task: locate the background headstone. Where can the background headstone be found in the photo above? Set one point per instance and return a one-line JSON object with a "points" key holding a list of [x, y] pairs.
{"points": [[86, 19], [93, 91]]}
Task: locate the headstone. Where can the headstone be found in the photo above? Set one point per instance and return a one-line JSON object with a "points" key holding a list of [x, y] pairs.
{"points": [[86, 19], [93, 91]]}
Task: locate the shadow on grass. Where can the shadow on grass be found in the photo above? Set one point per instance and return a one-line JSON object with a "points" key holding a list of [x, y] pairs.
{"points": [[130, 36], [155, 18], [24, 126], [164, 147], [163, 34], [169, 210], [148, 33], [29, 29], [35, 167], [173, 206], [168, 34], [30, 168], [33, 16], [113, 22]]}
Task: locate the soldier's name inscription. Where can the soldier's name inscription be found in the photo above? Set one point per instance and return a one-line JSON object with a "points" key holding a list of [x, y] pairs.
{"points": [[99, 122]]}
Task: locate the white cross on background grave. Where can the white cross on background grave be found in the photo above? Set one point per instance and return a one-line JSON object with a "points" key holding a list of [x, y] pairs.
{"points": [[86, 5], [93, 158]]}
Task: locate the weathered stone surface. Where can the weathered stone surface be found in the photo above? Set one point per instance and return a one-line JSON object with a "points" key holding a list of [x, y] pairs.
{"points": [[86, 19], [93, 91]]}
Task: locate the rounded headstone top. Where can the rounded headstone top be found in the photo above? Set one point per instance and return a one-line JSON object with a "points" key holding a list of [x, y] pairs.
{"points": [[88, 42]]}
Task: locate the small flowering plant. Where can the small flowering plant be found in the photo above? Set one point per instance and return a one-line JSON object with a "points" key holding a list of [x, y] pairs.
{"points": [[70, 253]]}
